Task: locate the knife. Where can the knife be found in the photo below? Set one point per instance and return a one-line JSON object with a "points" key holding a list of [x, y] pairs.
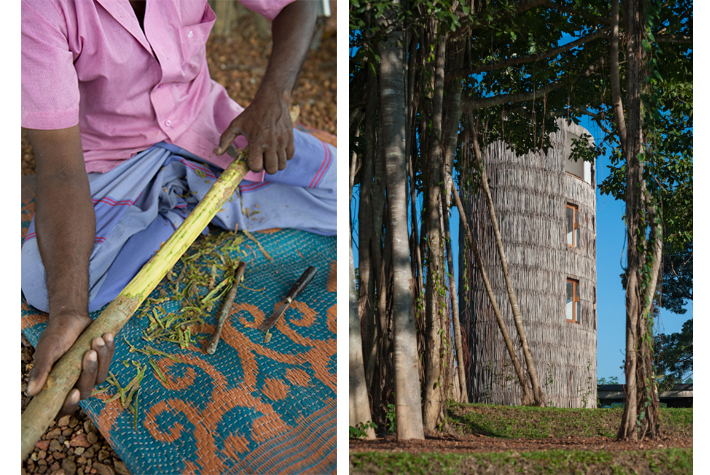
{"points": [[300, 284]]}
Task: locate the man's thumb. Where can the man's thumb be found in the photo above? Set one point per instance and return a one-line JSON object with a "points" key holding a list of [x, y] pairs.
{"points": [[227, 138], [38, 376]]}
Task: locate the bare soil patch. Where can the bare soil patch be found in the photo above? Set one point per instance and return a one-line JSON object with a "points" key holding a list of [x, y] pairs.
{"points": [[472, 443]]}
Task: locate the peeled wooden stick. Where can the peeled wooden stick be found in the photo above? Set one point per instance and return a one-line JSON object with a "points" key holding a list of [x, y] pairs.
{"points": [[214, 341], [45, 406]]}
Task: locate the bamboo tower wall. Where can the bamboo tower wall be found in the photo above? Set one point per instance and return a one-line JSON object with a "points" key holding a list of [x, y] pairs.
{"points": [[530, 193]]}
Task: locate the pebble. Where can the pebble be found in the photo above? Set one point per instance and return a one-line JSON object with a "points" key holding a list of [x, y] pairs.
{"points": [[69, 466], [42, 444], [54, 445], [79, 450], [103, 455], [63, 421], [92, 437], [80, 440], [102, 469], [54, 433], [120, 467]]}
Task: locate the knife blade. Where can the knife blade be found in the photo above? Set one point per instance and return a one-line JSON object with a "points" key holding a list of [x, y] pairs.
{"points": [[300, 284]]}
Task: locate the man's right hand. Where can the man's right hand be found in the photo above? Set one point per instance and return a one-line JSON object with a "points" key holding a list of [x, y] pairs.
{"points": [[61, 332]]}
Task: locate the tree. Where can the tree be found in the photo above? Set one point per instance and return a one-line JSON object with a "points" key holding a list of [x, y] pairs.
{"points": [[392, 124], [511, 64], [656, 159], [674, 357]]}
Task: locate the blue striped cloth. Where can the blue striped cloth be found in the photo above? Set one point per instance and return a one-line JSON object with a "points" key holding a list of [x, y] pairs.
{"points": [[141, 202]]}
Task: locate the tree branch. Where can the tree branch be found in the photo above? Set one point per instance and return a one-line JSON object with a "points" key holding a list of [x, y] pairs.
{"points": [[597, 118], [530, 59], [474, 19], [562, 8], [678, 39], [483, 102]]}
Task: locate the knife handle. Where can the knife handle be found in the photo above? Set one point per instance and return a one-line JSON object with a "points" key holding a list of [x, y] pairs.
{"points": [[301, 283]]}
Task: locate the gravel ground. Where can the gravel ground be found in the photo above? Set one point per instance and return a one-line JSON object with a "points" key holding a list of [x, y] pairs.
{"points": [[72, 444]]}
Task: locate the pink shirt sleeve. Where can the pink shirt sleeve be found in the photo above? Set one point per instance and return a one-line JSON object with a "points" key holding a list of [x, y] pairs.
{"points": [[266, 8], [50, 89]]}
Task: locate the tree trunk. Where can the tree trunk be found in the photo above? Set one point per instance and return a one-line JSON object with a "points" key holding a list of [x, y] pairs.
{"points": [[537, 391], [370, 331], [392, 127], [452, 118], [433, 391], [384, 372], [640, 416], [359, 405]]}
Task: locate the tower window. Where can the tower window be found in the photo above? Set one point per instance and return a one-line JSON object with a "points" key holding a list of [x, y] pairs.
{"points": [[572, 226], [572, 307]]}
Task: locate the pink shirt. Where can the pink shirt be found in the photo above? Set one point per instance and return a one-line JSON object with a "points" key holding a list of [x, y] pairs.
{"points": [[89, 63]]}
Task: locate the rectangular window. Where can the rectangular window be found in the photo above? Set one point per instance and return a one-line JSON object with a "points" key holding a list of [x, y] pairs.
{"points": [[572, 226], [572, 307]]}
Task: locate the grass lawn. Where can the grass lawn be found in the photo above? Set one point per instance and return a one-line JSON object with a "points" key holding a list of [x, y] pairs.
{"points": [[660, 461], [499, 423], [542, 422]]}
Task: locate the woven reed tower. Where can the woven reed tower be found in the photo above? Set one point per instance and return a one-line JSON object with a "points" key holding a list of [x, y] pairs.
{"points": [[545, 205]]}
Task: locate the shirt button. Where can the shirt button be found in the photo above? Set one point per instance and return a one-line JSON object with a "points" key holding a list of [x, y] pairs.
{"points": [[168, 123], [189, 35]]}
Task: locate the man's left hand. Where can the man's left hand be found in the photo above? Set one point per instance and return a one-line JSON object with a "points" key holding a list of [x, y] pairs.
{"points": [[267, 126]]}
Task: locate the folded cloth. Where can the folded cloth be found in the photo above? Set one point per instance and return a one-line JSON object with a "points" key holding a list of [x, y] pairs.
{"points": [[141, 202]]}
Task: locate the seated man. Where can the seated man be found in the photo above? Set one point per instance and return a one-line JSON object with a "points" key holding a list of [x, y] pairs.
{"points": [[129, 132]]}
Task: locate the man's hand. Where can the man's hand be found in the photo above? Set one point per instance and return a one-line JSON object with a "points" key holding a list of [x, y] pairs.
{"points": [[266, 123], [56, 339]]}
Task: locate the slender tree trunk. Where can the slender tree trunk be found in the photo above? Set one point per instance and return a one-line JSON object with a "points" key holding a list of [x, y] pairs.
{"points": [[383, 381], [359, 405], [392, 127], [527, 396], [618, 106], [640, 416], [367, 243], [460, 366], [433, 397], [452, 118]]}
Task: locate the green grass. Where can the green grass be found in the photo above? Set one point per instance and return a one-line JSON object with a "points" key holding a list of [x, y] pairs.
{"points": [[670, 461], [541, 423]]}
